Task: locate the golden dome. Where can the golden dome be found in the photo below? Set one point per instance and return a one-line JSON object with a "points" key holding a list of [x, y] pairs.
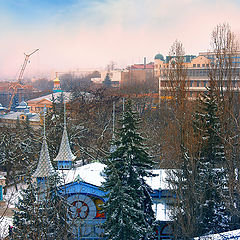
{"points": [[56, 80]]}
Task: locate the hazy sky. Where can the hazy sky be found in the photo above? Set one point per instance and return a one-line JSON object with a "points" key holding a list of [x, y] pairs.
{"points": [[80, 34]]}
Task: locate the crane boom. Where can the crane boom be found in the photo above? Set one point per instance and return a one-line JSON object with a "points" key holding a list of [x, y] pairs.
{"points": [[24, 65], [18, 85]]}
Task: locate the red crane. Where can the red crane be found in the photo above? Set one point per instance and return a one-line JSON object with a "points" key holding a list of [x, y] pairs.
{"points": [[18, 85]]}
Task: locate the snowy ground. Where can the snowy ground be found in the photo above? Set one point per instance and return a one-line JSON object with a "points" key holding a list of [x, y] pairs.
{"points": [[4, 223], [221, 236], [12, 195]]}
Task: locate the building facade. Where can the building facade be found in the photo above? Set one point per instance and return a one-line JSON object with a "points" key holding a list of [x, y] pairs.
{"points": [[197, 71]]}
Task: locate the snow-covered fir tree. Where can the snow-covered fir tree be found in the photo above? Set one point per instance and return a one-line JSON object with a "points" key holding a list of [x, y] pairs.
{"points": [[25, 219], [129, 207], [213, 175], [42, 213], [183, 182]]}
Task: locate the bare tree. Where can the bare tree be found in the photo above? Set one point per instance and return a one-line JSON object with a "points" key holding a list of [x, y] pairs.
{"points": [[224, 72]]}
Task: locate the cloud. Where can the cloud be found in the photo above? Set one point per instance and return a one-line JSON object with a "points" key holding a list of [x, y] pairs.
{"points": [[85, 33]]}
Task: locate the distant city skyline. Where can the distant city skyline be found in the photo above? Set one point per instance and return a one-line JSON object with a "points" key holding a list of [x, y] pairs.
{"points": [[77, 34]]}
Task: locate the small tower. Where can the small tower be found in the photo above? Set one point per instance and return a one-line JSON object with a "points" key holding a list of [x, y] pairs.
{"points": [[44, 168], [56, 85], [65, 156]]}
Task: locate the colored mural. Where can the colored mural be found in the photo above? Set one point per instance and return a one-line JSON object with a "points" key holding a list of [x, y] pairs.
{"points": [[85, 215]]}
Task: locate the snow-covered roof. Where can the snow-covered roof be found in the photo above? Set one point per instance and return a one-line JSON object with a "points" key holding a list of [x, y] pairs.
{"points": [[92, 173], [2, 177], [1, 107], [33, 117], [159, 180], [221, 236], [49, 97]]}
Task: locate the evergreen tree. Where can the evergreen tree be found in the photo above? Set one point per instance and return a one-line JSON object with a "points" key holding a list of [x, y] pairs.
{"points": [[107, 81], [129, 206], [184, 184], [42, 213], [213, 176]]}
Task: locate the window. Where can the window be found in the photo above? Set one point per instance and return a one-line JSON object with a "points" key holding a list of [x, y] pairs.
{"points": [[207, 65], [203, 65], [194, 65], [198, 65], [198, 83], [205, 83], [191, 83]]}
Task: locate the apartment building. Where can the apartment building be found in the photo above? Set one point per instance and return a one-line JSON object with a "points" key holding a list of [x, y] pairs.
{"points": [[197, 69]]}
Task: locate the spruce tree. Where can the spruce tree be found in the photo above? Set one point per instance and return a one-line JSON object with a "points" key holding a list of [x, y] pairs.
{"points": [[213, 176], [129, 207], [107, 81], [25, 220], [42, 213]]}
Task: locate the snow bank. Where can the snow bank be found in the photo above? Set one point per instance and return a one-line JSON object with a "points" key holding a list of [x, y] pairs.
{"points": [[221, 236], [4, 224]]}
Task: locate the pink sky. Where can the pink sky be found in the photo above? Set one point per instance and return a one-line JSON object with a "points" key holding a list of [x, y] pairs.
{"points": [[121, 31]]}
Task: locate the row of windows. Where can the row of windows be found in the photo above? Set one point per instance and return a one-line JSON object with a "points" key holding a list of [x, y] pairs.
{"points": [[199, 65], [200, 83]]}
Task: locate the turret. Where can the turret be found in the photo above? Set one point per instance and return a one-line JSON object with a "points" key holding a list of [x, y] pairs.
{"points": [[65, 156], [56, 85], [44, 169]]}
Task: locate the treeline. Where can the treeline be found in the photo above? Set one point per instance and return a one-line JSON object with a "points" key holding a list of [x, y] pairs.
{"points": [[202, 141]]}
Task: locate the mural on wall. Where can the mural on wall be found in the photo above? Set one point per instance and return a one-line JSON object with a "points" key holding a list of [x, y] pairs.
{"points": [[85, 215]]}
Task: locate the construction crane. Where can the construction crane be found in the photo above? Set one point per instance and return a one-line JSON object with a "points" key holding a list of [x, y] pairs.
{"points": [[19, 85]]}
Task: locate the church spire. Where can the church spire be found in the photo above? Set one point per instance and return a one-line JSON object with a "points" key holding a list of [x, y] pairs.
{"points": [[65, 156], [44, 168]]}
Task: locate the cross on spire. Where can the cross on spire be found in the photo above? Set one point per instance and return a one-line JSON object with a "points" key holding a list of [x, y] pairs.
{"points": [[65, 156], [44, 168]]}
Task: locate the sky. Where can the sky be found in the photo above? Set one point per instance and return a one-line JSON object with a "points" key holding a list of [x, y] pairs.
{"points": [[87, 34]]}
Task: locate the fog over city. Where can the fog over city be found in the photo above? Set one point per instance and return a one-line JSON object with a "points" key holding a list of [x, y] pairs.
{"points": [[80, 34]]}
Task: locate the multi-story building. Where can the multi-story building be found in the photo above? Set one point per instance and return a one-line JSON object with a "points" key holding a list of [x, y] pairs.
{"points": [[138, 74], [197, 71]]}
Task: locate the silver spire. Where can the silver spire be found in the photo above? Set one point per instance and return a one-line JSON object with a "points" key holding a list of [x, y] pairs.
{"points": [[65, 153]]}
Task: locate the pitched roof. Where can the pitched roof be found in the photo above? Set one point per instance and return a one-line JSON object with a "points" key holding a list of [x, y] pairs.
{"points": [[44, 168], [65, 153]]}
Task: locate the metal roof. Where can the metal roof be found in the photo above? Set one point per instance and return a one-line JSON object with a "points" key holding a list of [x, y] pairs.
{"points": [[65, 153], [44, 168]]}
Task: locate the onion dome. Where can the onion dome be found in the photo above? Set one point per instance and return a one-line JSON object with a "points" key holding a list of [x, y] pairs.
{"points": [[56, 80], [159, 57], [22, 105]]}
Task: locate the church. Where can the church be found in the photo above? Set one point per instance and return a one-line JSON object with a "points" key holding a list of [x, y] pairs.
{"points": [[82, 189]]}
